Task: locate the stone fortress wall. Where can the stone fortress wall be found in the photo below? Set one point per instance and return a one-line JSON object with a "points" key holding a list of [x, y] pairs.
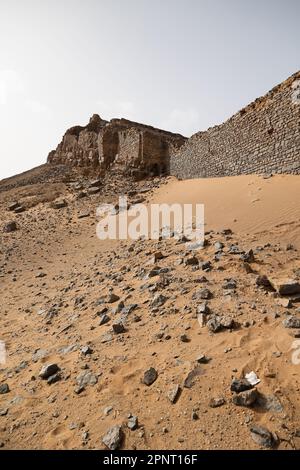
{"points": [[264, 137]]}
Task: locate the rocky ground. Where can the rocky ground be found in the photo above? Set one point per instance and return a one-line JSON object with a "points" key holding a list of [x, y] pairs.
{"points": [[141, 344]]}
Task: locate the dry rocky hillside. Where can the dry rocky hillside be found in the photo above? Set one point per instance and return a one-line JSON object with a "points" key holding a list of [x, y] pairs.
{"points": [[146, 344]]}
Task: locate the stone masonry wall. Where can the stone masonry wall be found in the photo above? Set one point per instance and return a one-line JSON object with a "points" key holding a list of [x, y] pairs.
{"points": [[264, 137]]}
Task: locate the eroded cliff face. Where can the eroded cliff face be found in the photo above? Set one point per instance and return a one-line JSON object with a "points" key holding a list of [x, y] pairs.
{"points": [[131, 147]]}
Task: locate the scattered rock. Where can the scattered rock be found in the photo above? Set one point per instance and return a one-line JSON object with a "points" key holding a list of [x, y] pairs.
{"points": [[174, 393], [246, 398], [19, 209], [54, 378], [113, 438], [132, 423], [202, 359], [190, 379], [291, 322], [214, 324], [269, 403], [83, 214], [263, 437], [86, 378], [59, 204], [95, 183], [39, 354], [240, 385], [216, 402], [203, 294], [13, 206], [4, 388], [263, 281], [112, 298], [86, 350], [48, 370], [229, 284], [104, 319], [191, 261], [158, 300], [150, 376], [10, 227], [118, 327], [286, 287]]}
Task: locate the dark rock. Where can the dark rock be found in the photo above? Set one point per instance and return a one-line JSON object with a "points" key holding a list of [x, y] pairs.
{"points": [[263, 437], [86, 350], [10, 227], [158, 300], [248, 257], [54, 378], [246, 398], [150, 376], [191, 261], [112, 298], [118, 327], [202, 359], [48, 370], [13, 206], [286, 287], [59, 204], [184, 338], [203, 294], [104, 319], [4, 388], [263, 281], [95, 183], [19, 209], [206, 266], [240, 385]]}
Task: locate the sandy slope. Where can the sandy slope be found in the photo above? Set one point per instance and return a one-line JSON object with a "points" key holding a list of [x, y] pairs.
{"points": [[79, 269], [247, 204]]}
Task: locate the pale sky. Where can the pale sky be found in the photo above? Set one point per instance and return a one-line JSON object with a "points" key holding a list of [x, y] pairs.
{"points": [[183, 65]]}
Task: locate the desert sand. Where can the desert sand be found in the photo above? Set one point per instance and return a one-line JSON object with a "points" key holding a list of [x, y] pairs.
{"points": [[57, 307]]}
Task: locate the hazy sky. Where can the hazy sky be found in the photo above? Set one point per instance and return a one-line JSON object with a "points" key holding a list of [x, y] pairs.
{"points": [[183, 65]]}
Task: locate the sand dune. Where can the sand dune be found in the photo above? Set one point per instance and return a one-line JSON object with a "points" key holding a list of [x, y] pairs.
{"points": [[269, 208]]}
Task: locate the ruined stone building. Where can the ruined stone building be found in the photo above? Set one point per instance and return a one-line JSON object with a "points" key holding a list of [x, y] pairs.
{"points": [[264, 137], [132, 147]]}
